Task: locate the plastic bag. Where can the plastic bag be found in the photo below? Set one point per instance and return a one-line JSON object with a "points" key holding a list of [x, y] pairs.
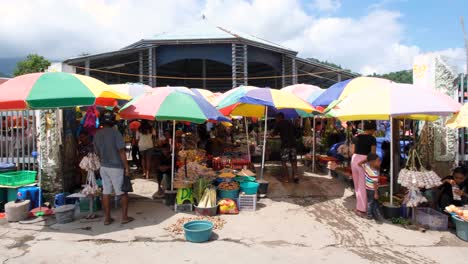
{"points": [[228, 206]]}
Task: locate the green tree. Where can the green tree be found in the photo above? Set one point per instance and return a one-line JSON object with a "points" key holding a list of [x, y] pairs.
{"points": [[405, 76], [32, 63]]}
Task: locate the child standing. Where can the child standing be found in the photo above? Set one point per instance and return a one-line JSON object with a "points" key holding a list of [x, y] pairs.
{"points": [[372, 170]]}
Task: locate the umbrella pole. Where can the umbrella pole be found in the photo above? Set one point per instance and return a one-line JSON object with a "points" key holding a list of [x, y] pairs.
{"points": [[391, 160], [247, 134], [173, 155], [264, 143], [313, 146]]}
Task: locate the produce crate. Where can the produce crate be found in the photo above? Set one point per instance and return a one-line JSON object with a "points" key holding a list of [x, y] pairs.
{"points": [[17, 178], [247, 202], [180, 208], [431, 219]]}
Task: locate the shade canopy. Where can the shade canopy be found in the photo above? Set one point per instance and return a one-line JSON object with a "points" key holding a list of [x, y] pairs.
{"points": [[168, 103], [208, 95], [306, 92], [56, 90], [395, 100], [251, 102], [132, 89], [341, 90]]}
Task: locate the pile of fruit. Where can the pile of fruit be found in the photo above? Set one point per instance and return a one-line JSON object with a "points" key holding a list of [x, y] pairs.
{"points": [[229, 186], [461, 213]]}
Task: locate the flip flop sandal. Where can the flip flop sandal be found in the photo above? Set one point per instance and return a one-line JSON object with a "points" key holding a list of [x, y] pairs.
{"points": [[109, 222], [128, 220]]}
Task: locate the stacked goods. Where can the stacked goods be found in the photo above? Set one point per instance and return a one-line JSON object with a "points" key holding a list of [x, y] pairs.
{"points": [[208, 199], [199, 188], [228, 206], [412, 178], [227, 175], [192, 171], [194, 155]]}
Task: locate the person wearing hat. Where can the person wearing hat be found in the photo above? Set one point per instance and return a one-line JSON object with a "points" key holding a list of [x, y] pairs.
{"points": [[110, 147]]}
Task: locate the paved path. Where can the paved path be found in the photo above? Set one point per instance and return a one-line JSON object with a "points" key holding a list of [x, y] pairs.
{"points": [[307, 223]]}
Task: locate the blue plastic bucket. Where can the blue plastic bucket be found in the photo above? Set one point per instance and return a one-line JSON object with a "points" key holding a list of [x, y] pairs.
{"points": [[249, 187], [198, 231], [232, 194], [462, 228]]}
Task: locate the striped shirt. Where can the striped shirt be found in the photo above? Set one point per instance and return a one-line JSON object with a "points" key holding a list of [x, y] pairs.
{"points": [[372, 176]]}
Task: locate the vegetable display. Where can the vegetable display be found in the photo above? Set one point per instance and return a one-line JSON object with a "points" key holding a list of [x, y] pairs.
{"points": [[208, 199], [229, 186]]}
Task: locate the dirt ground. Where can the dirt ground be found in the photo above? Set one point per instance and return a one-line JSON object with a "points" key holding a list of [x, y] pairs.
{"points": [[311, 222]]}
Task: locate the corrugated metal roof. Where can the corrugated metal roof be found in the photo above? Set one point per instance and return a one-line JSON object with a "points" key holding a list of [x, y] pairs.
{"points": [[204, 30]]}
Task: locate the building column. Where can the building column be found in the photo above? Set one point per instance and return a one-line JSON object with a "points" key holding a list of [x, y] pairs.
{"points": [[150, 66], [239, 65], [87, 66], [339, 77], [204, 73], [140, 66], [294, 71]]}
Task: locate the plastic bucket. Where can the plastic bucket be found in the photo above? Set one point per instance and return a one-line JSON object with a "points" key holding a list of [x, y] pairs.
{"points": [[170, 198], [462, 228], [262, 188], [244, 179], [249, 187], [198, 231], [65, 214], [231, 194], [391, 211]]}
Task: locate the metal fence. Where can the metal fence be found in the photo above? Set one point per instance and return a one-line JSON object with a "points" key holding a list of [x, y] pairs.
{"points": [[18, 138]]}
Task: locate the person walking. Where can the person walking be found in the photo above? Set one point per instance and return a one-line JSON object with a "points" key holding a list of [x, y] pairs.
{"points": [[110, 147], [363, 144], [287, 133], [144, 137]]}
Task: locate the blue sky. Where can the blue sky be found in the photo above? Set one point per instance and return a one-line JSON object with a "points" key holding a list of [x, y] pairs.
{"points": [[362, 35], [429, 24]]}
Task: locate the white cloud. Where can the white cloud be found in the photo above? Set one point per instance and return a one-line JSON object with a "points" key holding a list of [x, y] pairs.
{"points": [[326, 5], [66, 28]]}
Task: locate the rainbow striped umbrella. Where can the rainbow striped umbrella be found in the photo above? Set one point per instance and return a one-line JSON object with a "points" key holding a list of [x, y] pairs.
{"points": [[171, 103], [208, 95], [55, 90], [132, 89], [341, 90], [251, 101], [306, 92]]}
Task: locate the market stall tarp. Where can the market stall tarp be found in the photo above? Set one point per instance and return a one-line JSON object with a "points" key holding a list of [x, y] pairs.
{"points": [[341, 90], [395, 100], [168, 103], [55, 90]]}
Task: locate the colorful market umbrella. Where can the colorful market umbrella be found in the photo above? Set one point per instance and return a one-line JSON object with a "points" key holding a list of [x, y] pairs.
{"points": [[395, 100], [459, 120], [168, 103], [132, 89], [249, 101], [306, 92], [55, 90], [341, 90], [208, 95], [174, 104]]}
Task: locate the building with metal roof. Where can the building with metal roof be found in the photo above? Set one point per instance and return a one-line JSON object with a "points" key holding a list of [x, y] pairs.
{"points": [[207, 56]]}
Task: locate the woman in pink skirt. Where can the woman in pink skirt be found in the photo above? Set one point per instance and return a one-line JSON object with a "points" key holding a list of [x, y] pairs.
{"points": [[363, 144]]}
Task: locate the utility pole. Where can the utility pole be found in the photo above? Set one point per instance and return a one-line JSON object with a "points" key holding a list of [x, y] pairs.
{"points": [[466, 42]]}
